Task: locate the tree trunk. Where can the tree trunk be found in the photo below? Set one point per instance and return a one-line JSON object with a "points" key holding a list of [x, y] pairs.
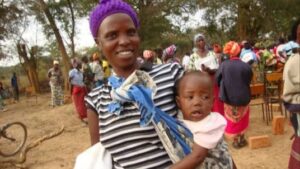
{"points": [[72, 34], [61, 46], [30, 67], [33, 68], [242, 20]]}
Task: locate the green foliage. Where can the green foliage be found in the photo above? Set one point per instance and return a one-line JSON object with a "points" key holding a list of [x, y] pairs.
{"points": [[155, 26], [251, 19], [10, 13], [43, 63], [88, 51], [11, 16], [226, 19]]}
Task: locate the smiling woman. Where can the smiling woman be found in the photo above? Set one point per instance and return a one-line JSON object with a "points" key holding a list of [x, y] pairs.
{"points": [[119, 41], [118, 125]]}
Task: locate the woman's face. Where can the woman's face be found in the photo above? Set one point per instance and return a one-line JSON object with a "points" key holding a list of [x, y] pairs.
{"points": [[119, 41], [200, 43]]}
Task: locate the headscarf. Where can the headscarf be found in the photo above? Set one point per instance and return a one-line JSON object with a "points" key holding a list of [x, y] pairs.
{"points": [[288, 47], [232, 49], [106, 8], [169, 52], [55, 62], [198, 36], [148, 54]]}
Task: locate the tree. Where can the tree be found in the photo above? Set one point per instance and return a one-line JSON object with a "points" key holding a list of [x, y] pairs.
{"points": [[13, 20], [155, 19], [60, 16], [40, 5], [250, 19], [11, 17], [30, 64], [156, 28]]}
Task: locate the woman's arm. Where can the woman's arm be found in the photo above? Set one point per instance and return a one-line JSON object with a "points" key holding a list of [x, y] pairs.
{"points": [[208, 70], [93, 123], [192, 160], [218, 75]]}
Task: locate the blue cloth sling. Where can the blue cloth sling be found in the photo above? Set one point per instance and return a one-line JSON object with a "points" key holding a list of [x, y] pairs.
{"points": [[141, 95]]}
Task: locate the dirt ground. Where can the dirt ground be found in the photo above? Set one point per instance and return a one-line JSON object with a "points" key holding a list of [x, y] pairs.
{"points": [[60, 152]]}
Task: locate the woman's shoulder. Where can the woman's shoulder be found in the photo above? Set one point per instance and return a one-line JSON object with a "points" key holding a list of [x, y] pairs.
{"points": [[166, 74], [73, 71], [169, 67], [103, 89]]}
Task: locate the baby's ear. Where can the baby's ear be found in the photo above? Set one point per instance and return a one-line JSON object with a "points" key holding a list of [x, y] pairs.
{"points": [[178, 102]]}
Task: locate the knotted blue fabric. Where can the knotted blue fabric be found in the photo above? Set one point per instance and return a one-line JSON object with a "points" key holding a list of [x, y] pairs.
{"points": [[141, 95]]}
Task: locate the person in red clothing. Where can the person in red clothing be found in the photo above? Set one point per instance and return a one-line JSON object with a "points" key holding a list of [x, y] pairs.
{"points": [[78, 89], [234, 77]]}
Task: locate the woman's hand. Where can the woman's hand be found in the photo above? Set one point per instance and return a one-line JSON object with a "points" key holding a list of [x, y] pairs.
{"points": [[207, 69]]}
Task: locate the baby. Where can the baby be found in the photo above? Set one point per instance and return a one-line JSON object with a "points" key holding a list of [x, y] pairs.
{"points": [[194, 97]]}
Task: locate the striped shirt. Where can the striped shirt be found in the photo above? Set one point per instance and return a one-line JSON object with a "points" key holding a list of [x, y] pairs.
{"points": [[132, 146]]}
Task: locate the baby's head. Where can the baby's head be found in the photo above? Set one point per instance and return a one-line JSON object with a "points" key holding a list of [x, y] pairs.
{"points": [[194, 95]]}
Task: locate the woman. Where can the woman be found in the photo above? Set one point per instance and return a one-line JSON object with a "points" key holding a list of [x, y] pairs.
{"points": [[202, 57], [96, 67], [234, 77], [291, 94], [114, 27], [78, 89], [169, 55], [56, 81], [88, 75], [204, 60]]}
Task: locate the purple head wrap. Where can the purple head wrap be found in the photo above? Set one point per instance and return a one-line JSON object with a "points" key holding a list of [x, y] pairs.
{"points": [[109, 7]]}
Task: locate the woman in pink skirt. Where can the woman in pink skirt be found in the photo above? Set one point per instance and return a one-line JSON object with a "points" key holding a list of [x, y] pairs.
{"points": [[234, 77]]}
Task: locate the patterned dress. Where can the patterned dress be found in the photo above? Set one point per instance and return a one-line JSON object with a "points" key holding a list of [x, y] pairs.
{"points": [[208, 133], [57, 95], [209, 61]]}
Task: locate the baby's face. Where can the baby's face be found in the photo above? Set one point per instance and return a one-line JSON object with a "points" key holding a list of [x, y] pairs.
{"points": [[195, 97]]}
